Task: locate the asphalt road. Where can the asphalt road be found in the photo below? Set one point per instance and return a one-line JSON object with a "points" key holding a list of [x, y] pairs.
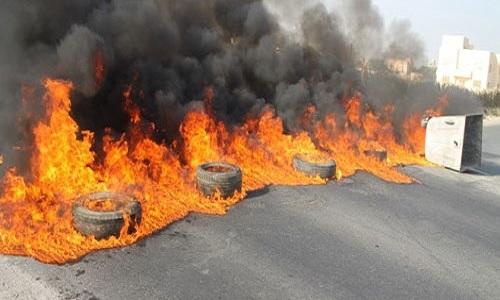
{"points": [[356, 239]]}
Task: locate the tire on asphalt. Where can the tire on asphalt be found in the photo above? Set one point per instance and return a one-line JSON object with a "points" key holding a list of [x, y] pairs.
{"points": [[218, 176], [325, 170], [104, 224]]}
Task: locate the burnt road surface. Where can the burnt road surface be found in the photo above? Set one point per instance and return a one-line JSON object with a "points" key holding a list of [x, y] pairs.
{"points": [[356, 239]]}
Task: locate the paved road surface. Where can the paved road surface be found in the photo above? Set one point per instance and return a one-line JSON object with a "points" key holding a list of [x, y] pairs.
{"points": [[357, 239]]}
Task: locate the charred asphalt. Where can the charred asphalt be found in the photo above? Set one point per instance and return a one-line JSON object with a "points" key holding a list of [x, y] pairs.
{"points": [[356, 239]]}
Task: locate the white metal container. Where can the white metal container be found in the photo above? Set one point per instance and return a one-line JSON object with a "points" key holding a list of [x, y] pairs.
{"points": [[455, 142]]}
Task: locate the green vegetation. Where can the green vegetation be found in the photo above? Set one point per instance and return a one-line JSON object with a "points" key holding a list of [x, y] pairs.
{"points": [[491, 103]]}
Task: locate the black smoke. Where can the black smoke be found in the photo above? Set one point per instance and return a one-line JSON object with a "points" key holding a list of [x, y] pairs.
{"points": [[365, 28], [403, 43], [170, 52]]}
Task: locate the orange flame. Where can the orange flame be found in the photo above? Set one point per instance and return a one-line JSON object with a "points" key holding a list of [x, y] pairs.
{"points": [[414, 133], [105, 205], [35, 213]]}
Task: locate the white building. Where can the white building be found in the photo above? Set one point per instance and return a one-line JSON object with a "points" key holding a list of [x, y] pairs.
{"points": [[498, 76], [461, 65]]}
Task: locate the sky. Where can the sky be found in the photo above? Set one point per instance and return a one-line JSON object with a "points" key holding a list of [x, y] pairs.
{"points": [[479, 20]]}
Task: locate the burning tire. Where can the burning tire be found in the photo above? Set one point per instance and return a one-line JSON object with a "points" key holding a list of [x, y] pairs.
{"points": [[222, 177], [325, 170], [377, 154], [102, 215]]}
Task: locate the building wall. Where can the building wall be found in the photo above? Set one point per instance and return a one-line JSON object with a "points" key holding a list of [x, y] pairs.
{"points": [[459, 64], [498, 73]]}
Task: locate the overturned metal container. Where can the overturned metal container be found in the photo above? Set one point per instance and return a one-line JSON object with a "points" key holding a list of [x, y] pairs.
{"points": [[455, 142]]}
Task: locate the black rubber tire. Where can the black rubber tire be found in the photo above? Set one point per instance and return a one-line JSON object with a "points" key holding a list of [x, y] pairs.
{"points": [[102, 225], [227, 183], [326, 170], [377, 154]]}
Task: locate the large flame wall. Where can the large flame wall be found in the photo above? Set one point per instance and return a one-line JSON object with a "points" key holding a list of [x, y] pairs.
{"points": [[35, 212]]}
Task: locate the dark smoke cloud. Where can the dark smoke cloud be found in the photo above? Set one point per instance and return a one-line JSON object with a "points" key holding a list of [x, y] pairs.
{"points": [[371, 39], [289, 13], [28, 38], [403, 43], [170, 52], [408, 97], [365, 27], [322, 31], [77, 54]]}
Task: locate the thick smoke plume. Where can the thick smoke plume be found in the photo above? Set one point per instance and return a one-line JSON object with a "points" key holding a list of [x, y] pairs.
{"points": [[365, 27], [403, 43], [172, 51], [289, 13]]}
